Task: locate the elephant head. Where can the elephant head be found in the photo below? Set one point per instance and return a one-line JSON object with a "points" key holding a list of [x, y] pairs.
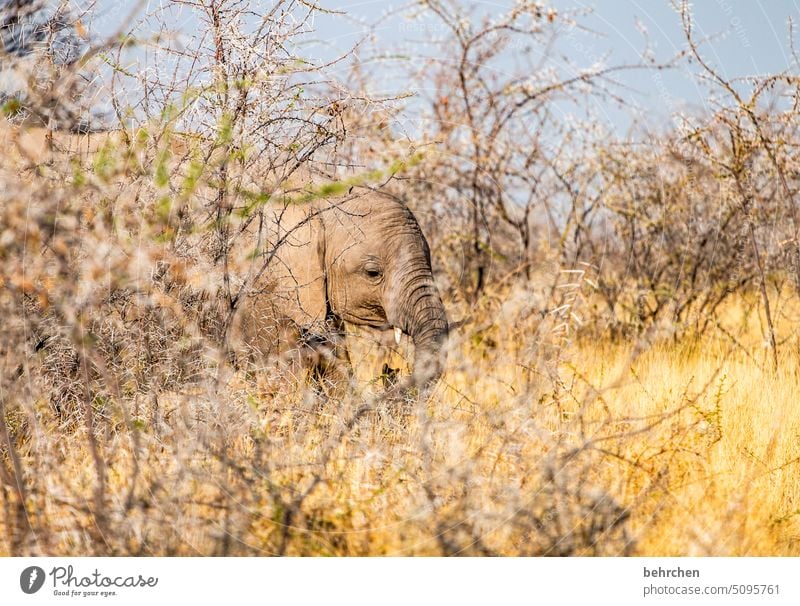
{"points": [[362, 259], [378, 274]]}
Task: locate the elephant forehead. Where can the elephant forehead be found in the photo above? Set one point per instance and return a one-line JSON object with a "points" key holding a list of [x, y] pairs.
{"points": [[377, 229], [370, 210], [358, 249]]}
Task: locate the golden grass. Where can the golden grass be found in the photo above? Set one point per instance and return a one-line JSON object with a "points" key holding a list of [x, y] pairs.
{"points": [[732, 484], [693, 446]]}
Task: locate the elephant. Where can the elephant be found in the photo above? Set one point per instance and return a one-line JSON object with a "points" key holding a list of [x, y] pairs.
{"points": [[359, 259]]}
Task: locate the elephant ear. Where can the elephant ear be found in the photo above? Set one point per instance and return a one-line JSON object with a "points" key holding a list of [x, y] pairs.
{"points": [[300, 289]]}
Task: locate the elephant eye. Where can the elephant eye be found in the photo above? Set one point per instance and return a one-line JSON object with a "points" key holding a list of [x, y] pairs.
{"points": [[373, 271]]}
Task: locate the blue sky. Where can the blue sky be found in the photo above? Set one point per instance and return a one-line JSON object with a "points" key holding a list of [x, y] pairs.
{"points": [[749, 37]]}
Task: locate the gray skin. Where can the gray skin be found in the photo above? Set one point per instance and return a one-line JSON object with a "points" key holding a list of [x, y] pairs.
{"points": [[360, 259]]}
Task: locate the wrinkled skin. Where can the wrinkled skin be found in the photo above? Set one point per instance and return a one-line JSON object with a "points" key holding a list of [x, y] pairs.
{"points": [[360, 259]]}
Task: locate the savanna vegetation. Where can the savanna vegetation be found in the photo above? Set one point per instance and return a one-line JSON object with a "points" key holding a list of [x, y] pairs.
{"points": [[622, 372]]}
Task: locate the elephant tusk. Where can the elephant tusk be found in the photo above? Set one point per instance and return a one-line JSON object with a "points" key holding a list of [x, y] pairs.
{"points": [[397, 334]]}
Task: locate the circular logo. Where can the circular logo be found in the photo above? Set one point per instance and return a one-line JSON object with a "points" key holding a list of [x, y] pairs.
{"points": [[31, 579]]}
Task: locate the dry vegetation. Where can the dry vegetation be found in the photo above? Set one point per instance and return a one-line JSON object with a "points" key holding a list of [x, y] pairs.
{"points": [[622, 378]]}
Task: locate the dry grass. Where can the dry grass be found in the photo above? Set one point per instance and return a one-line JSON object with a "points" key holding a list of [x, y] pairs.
{"points": [[730, 483], [609, 448]]}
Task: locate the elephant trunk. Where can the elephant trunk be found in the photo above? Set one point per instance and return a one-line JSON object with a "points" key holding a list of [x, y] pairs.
{"points": [[423, 318], [429, 355]]}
